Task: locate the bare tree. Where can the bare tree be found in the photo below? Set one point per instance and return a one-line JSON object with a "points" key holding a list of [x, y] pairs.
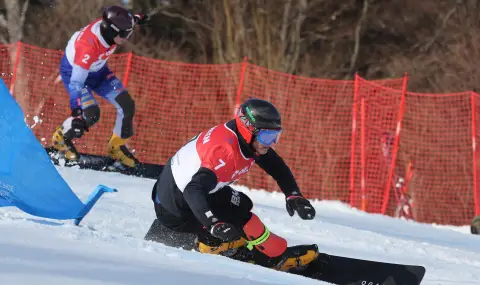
{"points": [[13, 21], [64, 18]]}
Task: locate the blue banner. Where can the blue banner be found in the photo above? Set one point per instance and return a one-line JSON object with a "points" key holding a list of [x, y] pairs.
{"points": [[28, 179]]}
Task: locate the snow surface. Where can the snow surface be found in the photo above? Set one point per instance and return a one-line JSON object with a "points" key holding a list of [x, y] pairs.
{"points": [[108, 247]]}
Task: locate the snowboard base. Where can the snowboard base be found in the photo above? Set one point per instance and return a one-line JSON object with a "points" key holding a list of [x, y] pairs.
{"points": [[326, 267]]}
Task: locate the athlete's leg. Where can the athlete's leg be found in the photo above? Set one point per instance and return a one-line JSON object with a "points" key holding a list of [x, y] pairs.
{"points": [[112, 89]]}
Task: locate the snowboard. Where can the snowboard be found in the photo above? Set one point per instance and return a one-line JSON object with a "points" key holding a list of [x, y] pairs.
{"points": [[103, 163], [345, 270], [350, 271], [326, 267]]}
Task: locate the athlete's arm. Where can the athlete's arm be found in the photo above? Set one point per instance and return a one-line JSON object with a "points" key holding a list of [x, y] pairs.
{"points": [[215, 164], [196, 192], [276, 167], [84, 57], [77, 83]]}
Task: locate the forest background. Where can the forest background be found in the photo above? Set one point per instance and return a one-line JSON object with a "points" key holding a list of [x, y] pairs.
{"points": [[436, 41]]}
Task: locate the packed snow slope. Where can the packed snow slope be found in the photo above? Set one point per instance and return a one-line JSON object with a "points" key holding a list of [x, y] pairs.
{"points": [[108, 247]]}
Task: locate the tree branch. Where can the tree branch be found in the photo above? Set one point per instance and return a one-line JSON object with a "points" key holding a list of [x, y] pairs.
{"points": [[24, 12], [188, 20], [439, 30], [358, 31], [3, 21], [296, 40], [3, 40], [285, 21], [229, 44], [216, 34]]}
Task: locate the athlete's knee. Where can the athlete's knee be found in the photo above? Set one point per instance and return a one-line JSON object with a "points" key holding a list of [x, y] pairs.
{"points": [[126, 107], [92, 115], [260, 237], [242, 201], [247, 203]]}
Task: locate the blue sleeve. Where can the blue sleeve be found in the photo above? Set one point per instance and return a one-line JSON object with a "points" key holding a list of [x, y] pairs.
{"points": [[76, 85]]}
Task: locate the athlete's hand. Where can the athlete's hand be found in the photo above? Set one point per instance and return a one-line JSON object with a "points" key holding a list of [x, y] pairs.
{"points": [[141, 19], [225, 231], [77, 125], [296, 202]]}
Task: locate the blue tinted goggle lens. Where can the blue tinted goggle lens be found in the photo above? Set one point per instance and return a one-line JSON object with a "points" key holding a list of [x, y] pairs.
{"points": [[268, 137]]}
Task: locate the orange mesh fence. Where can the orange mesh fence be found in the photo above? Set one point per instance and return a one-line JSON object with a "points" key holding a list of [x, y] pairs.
{"points": [[317, 119], [476, 157], [377, 112], [436, 138], [7, 62], [434, 142], [36, 92], [333, 128], [175, 101]]}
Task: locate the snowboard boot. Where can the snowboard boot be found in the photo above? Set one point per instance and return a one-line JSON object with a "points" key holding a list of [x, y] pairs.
{"points": [[64, 145], [218, 247], [118, 151], [272, 250], [296, 257]]}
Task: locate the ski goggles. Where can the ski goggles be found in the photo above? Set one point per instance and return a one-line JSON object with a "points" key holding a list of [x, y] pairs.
{"points": [[268, 137], [125, 34]]}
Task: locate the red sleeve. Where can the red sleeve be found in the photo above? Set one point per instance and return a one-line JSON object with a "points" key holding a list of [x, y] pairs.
{"points": [[219, 160]]}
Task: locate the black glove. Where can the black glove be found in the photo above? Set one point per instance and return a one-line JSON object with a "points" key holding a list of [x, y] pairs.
{"points": [[225, 231], [141, 19], [78, 125], [296, 202], [77, 112]]}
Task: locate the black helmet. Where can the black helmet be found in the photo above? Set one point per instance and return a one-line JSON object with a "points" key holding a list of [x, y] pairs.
{"points": [[255, 115], [117, 21]]}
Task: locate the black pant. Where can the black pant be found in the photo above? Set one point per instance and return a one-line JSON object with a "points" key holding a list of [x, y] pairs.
{"points": [[227, 205]]}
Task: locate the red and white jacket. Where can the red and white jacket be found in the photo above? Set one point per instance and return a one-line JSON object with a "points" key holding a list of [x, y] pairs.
{"points": [[209, 162], [87, 48]]}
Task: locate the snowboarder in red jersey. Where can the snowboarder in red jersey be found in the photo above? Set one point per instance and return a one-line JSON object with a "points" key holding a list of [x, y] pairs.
{"points": [[84, 70], [197, 209]]}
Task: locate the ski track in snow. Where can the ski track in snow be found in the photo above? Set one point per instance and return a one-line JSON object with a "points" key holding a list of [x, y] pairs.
{"points": [[108, 247]]}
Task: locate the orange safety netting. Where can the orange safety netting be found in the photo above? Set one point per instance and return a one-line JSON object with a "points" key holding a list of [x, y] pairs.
{"points": [[334, 129]]}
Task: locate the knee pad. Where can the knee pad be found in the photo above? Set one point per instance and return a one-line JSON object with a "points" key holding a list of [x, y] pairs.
{"points": [[127, 104], [92, 115]]}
